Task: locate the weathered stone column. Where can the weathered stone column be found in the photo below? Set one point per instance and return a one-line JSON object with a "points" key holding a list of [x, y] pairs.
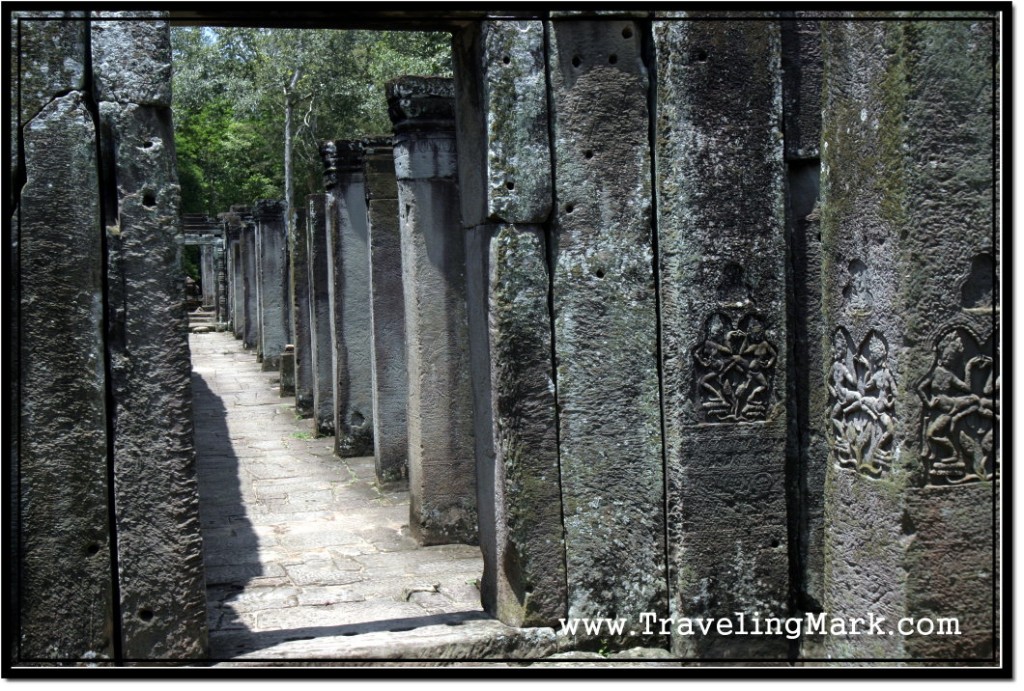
{"points": [[208, 275], [159, 547], [348, 264], [220, 261], [387, 315], [299, 292], [236, 295], [258, 288], [247, 244], [502, 118], [723, 302], [64, 575], [605, 305], [442, 478], [228, 275], [912, 312], [321, 343], [272, 274]]}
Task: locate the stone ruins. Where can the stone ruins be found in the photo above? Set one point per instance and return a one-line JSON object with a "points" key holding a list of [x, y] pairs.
{"points": [[683, 313]]}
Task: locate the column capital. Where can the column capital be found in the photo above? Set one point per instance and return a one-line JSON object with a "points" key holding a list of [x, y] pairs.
{"points": [[340, 156], [421, 103], [268, 210]]}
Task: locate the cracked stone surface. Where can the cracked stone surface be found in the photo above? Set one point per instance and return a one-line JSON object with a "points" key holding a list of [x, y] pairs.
{"points": [[300, 546]]}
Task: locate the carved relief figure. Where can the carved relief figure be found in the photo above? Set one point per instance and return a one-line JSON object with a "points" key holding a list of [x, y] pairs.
{"points": [[862, 392], [735, 370], [958, 420]]}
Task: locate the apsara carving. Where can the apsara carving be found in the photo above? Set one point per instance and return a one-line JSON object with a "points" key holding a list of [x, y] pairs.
{"points": [[734, 370], [862, 397], [960, 411]]}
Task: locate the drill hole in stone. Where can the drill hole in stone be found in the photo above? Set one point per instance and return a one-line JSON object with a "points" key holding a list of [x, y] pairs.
{"points": [[510, 185], [627, 32], [588, 154], [775, 543], [507, 60], [701, 55], [146, 614], [149, 200], [148, 144], [576, 61], [612, 59], [569, 208], [599, 273], [93, 549]]}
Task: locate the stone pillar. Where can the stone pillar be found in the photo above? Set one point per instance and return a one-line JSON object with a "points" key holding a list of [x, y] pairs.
{"points": [[348, 263], [64, 575], [159, 546], [220, 261], [272, 268], [321, 343], [258, 290], [208, 275], [299, 292], [502, 118], [808, 393], [723, 302], [442, 478], [910, 304], [605, 330], [228, 278], [387, 315], [236, 295], [286, 383], [247, 245]]}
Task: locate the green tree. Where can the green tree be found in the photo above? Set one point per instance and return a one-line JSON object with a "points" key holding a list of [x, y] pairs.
{"points": [[231, 86]]}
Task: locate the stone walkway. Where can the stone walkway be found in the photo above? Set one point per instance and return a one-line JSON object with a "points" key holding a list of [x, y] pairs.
{"points": [[298, 544], [309, 562]]}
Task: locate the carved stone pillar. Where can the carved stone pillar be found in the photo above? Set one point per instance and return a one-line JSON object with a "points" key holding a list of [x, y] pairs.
{"points": [[349, 268], [64, 576], [724, 325], [505, 169], [605, 320], [300, 309], [387, 315], [321, 343], [272, 269], [156, 502], [233, 234], [442, 477], [221, 263], [912, 313], [208, 276], [250, 300]]}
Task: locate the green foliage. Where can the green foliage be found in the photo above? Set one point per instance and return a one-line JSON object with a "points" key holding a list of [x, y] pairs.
{"points": [[190, 261], [230, 90]]}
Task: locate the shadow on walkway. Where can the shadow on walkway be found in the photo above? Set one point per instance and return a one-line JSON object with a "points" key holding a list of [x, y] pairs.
{"points": [[298, 544]]}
